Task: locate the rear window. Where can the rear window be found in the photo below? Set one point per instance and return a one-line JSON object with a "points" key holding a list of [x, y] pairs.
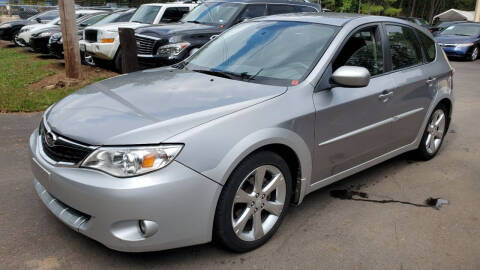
{"points": [[404, 47], [306, 9], [428, 46], [280, 9]]}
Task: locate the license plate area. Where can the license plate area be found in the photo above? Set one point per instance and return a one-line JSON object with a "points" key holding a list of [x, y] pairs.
{"points": [[42, 175]]}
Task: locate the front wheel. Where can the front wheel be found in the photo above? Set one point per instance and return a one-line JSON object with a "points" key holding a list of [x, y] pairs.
{"points": [[474, 54], [434, 134], [253, 202], [16, 39]]}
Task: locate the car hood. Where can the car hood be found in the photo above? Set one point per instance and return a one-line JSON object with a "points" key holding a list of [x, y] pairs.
{"points": [[115, 26], [454, 39], [175, 28], [37, 26], [17, 22], [52, 28], [150, 106]]}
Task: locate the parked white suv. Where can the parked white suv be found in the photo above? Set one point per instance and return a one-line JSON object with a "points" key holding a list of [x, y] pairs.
{"points": [[102, 42], [23, 38]]}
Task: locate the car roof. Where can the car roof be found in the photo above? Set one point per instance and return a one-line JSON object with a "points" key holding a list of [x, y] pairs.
{"points": [[291, 2], [176, 4], [331, 18]]}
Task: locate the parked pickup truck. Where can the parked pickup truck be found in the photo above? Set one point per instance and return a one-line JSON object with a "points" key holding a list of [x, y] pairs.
{"points": [[102, 42], [161, 45]]}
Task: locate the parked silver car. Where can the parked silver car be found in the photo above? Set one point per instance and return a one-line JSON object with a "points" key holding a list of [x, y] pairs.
{"points": [[218, 146]]}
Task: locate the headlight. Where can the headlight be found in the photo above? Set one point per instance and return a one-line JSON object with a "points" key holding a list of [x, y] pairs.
{"points": [[464, 45], [172, 49], [131, 161], [7, 25], [45, 34]]}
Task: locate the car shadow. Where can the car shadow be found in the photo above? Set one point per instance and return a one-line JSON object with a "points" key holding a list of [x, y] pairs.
{"points": [[212, 253]]}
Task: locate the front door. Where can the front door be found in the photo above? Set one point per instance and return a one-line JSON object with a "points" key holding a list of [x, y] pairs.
{"points": [[353, 125]]}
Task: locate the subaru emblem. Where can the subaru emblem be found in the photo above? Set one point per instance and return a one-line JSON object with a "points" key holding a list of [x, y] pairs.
{"points": [[50, 139]]}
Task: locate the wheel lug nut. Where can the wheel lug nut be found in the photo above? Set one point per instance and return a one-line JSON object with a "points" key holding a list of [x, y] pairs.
{"points": [[256, 195], [263, 205]]}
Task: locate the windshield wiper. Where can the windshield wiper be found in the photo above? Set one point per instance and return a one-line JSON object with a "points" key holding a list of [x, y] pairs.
{"points": [[225, 74], [463, 35], [197, 22], [138, 21]]}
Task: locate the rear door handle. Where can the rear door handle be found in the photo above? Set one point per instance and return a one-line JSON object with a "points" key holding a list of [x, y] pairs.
{"points": [[385, 95], [430, 80]]}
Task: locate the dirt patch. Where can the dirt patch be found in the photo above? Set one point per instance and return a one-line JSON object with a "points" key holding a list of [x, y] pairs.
{"points": [[59, 80]]}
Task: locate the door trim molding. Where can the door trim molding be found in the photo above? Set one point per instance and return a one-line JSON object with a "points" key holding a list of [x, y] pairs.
{"points": [[372, 126]]}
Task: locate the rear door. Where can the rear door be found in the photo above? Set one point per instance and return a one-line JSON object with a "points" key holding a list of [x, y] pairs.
{"points": [[412, 83]]}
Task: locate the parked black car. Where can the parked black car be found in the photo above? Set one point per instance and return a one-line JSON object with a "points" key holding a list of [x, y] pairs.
{"points": [[161, 45], [440, 26], [9, 29], [40, 38], [55, 43]]}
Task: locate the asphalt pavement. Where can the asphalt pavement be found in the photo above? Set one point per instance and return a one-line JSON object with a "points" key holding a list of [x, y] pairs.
{"points": [[323, 233]]}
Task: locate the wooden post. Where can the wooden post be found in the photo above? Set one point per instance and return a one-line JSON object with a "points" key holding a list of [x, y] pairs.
{"points": [[128, 49], [9, 9], [477, 12], [71, 49]]}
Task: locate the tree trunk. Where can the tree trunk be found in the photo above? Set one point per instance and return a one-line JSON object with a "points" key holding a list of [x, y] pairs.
{"points": [[433, 3], [412, 12]]}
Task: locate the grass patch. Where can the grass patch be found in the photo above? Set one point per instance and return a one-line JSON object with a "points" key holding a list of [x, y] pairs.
{"points": [[21, 77]]}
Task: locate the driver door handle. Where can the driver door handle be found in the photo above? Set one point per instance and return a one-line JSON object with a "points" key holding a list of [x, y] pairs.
{"points": [[385, 95]]}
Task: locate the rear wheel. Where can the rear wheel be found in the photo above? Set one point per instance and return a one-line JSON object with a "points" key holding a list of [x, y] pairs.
{"points": [[253, 202], [434, 133]]}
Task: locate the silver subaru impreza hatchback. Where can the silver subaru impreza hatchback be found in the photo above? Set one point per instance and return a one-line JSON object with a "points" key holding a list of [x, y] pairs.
{"points": [[219, 146]]}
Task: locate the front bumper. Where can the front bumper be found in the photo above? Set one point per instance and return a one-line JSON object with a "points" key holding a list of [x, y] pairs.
{"points": [[453, 51], [105, 51], [105, 208], [150, 61], [39, 44], [55, 49]]}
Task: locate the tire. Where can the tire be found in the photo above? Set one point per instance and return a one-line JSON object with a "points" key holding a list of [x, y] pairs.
{"points": [[117, 61], [14, 38], [428, 148], [239, 198], [474, 54]]}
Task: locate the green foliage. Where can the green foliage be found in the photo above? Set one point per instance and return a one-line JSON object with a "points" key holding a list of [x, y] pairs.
{"points": [[391, 11]]}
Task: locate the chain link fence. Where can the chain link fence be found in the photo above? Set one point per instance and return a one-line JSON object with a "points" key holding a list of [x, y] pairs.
{"points": [[23, 9]]}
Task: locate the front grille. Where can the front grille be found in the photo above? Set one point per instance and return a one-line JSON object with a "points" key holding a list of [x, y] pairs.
{"points": [[91, 35], [62, 149], [145, 45]]}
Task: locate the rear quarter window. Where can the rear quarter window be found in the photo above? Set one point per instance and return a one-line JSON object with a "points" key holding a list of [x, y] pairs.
{"points": [[428, 46]]}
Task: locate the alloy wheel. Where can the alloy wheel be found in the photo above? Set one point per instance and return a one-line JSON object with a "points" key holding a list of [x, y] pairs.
{"points": [[435, 131], [258, 203], [475, 54]]}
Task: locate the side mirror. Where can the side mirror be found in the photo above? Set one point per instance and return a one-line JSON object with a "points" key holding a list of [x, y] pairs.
{"points": [[38, 20], [351, 76], [83, 25]]}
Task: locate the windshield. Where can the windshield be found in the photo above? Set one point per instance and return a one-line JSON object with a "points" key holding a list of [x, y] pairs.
{"points": [[115, 17], [145, 14], [263, 52], [213, 13], [462, 30]]}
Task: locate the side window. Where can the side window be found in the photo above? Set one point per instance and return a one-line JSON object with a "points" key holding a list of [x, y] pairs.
{"points": [[428, 46], [125, 17], [253, 11], [404, 47], [363, 49], [174, 14], [280, 9], [306, 9]]}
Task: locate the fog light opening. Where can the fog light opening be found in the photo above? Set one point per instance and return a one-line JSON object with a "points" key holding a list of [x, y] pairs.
{"points": [[147, 227]]}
